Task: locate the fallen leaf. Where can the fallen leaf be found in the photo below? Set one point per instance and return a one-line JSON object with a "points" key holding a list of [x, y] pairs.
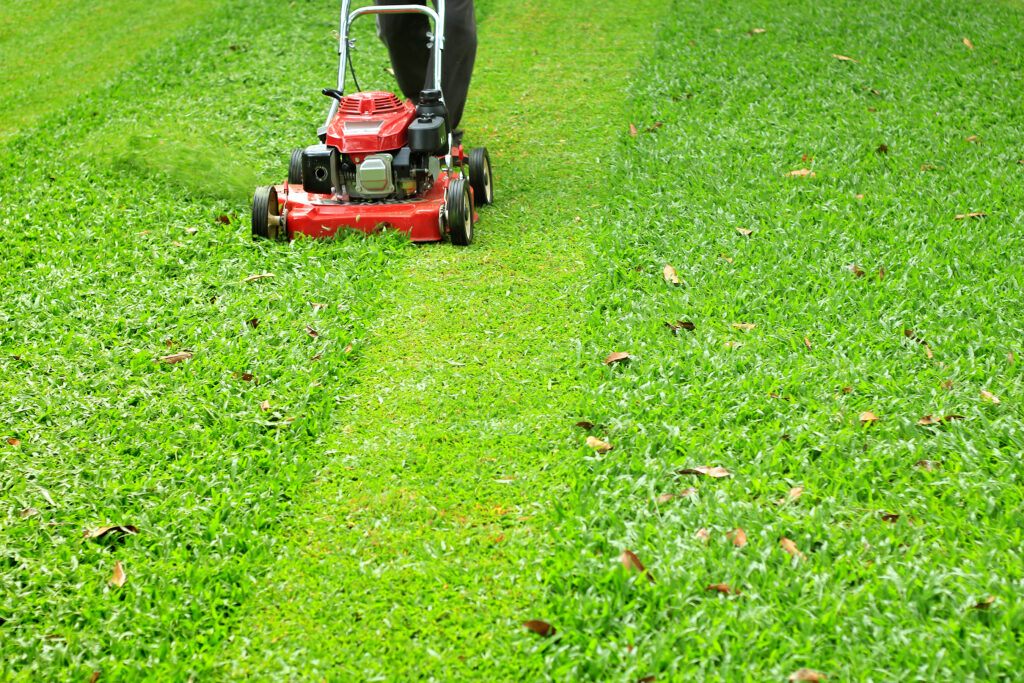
{"points": [[985, 603], [858, 197], [176, 357], [117, 531], [119, 576], [989, 396], [745, 232], [973, 139], [973, 214], [598, 445], [948, 385], [806, 675], [654, 126], [881, 274], [928, 420], [733, 344], [670, 274], [746, 327], [583, 424], [647, 679], [727, 258], [11, 441], [844, 58], [680, 325], [928, 351], [95, 677], [806, 157], [265, 405], [666, 497], [223, 219], [855, 269], [616, 357], [807, 343], [867, 417], [847, 390], [928, 465], [347, 350], [253, 322], [738, 537], [176, 243], [772, 394], [541, 628], [632, 130], [723, 588], [632, 563], [311, 332], [950, 418], [792, 496], [883, 149], [317, 306], [801, 173], [968, 44], [890, 517], [245, 376], [703, 534], [259, 276], [790, 547], [28, 512], [714, 472], [1010, 358], [756, 31], [191, 231], [928, 167]]}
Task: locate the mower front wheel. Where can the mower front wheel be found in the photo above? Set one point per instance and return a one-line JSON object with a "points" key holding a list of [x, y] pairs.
{"points": [[480, 176], [266, 215], [295, 167], [458, 207]]}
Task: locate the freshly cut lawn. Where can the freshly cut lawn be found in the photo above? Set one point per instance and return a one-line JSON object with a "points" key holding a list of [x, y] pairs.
{"points": [[857, 291]]}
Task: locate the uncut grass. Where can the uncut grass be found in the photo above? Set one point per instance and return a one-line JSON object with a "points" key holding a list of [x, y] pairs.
{"points": [[873, 600], [105, 275]]}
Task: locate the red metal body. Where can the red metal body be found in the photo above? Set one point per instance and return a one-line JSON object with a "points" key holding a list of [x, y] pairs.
{"points": [[368, 123]]}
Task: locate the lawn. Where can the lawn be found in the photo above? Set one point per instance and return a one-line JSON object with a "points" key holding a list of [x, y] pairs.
{"points": [[373, 464]]}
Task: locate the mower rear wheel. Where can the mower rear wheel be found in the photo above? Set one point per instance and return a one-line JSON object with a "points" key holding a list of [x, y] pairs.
{"points": [[459, 209], [295, 167], [480, 176], [266, 215]]}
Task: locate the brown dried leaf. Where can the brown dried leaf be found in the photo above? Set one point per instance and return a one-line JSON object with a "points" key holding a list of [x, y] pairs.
{"points": [[928, 465], [968, 44], [728, 259], [703, 534], [253, 322], [928, 352], [584, 424], [95, 677], [541, 628], [951, 417], [223, 219], [855, 269], [847, 390], [670, 274], [715, 472], [116, 531], [632, 130], [666, 497], [792, 496], [989, 396], [738, 537], [265, 405], [245, 376], [929, 420], [311, 332], [347, 350], [119, 577], [598, 445], [723, 588], [881, 274], [616, 357], [801, 173], [890, 517], [11, 441], [807, 675], [654, 126], [790, 547], [745, 232], [844, 58], [973, 139], [859, 197], [973, 214], [883, 149], [258, 276], [807, 343], [867, 417], [28, 512], [948, 385], [985, 603], [680, 325], [632, 563], [756, 31], [176, 357], [317, 306], [746, 327]]}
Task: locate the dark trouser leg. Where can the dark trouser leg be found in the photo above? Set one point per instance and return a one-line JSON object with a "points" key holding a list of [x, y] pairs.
{"points": [[406, 38]]}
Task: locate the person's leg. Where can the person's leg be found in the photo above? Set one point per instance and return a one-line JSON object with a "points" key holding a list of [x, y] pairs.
{"points": [[459, 55], [405, 36]]}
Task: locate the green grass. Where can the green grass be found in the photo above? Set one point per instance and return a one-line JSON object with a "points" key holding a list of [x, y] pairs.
{"points": [[404, 505]]}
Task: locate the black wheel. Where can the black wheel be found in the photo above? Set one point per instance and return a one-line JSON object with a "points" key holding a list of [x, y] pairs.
{"points": [[480, 176], [459, 209], [295, 167], [266, 215]]}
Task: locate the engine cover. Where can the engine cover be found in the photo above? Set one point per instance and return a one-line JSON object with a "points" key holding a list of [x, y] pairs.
{"points": [[374, 177]]}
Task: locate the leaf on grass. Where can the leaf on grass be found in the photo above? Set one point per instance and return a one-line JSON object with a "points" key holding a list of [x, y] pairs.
{"points": [[883, 148], [890, 517], [191, 231], [119, 577], [632, 130], [714, 472], [881, 274], [258, 276], [954, 416], [116, 531], [928, 352], [792, 496], [541, 628], [928, 465], [728, 259], [311, 332], [973, 214], [95, 677], [867, 417], [807, 343], [616, 357], [968, 44], [790, 547], [723, 588], [985, 603], [654, 126], [746, 327], [671, 276], [265, 405], [347, 350], [989, 396], [855, 269], [738, 537], [973, 139], [859, 197], [948, 385], [844, 58], [632, 563], [176, 357], [223, 219], [28, 512], [253, 322], [598, 445], [756, 31], [745, 232], [847, 390], [806, 675], [1010, 358], [11, 441], [317, 306], [245, 376], [666, 497], [680, 325], [703, 534], [647, 679], [929, 420], [584, 424]]}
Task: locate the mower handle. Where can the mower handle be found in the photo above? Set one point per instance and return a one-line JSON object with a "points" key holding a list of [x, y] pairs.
{"points": [[343, 41]]}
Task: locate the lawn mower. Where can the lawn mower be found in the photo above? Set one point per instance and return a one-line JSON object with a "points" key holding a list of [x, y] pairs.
{"points": [[381, 162]]}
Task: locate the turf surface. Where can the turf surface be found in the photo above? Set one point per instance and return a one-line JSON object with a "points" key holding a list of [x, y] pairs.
{"points": [[415, 486]]}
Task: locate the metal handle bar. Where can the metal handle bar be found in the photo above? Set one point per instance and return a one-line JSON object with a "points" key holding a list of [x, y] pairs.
{"points": [[345, 23]]}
